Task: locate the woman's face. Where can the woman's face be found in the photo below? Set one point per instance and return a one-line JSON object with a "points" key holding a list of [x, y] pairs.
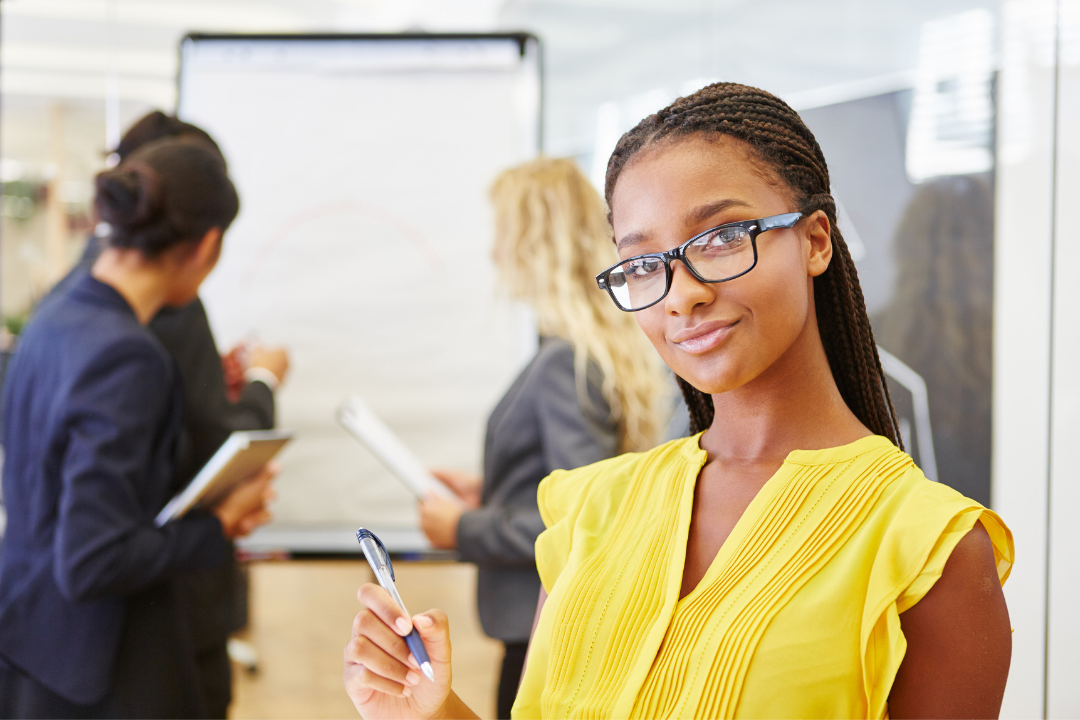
{"points": [[191, 266], [719, 336]]}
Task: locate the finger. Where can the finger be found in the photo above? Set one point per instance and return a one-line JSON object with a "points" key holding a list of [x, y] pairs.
{"points": [[367, 624], [442, 475], [253, 520], [266, 473], [260, 517], [434, 629], [373, 681], [363, 651], [378, 601], [435, 502]]}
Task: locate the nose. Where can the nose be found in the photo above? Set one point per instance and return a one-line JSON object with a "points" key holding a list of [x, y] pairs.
{"points": [[687, 292]]}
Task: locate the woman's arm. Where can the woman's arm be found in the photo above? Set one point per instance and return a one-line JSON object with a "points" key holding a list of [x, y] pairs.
{"points": [[536, 621], [114, 427], [959, 641], [116, 444]]}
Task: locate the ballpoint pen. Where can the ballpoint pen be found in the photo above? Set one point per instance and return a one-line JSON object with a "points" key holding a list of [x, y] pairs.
{"points": [[379, 560]]}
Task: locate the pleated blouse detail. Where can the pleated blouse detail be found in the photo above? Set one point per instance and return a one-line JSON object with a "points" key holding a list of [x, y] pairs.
{"points": [[797, 616]]}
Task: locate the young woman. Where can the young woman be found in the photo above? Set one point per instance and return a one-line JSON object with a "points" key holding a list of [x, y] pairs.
{"points": [[790, 561], [590, 393], [92, 622]]}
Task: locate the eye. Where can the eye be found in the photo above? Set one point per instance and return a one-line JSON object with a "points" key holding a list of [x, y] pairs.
{"points": [[642, 267], [721, 240]]}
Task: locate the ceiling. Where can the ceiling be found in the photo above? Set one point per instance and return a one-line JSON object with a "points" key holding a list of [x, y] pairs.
{"points": [[71, 48], [637, 53]]}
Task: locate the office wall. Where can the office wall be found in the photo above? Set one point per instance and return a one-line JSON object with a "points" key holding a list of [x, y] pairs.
{"points": [[1063, 496]]}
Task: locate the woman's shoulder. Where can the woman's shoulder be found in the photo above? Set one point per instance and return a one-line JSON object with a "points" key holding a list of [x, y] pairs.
{"points": [[579, 507], [552, 379], [554, 360], [915, 524], [600, 487], [87, 340], [558, 356]]}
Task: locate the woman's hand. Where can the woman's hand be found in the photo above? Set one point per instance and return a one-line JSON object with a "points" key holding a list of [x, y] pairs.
{"points": [[465, 485], [233, 367], [244, 509], [439, 520], [382, 677], [276, 360]]}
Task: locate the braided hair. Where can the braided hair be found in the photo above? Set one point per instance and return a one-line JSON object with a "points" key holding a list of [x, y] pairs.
{"points": [[786, 146]]}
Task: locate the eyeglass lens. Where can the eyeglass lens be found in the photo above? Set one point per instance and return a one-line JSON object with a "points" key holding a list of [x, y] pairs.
{"points": [[718, 255]]}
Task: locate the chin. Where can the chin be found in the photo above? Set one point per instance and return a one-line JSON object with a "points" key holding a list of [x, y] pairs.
{"points": [[725, 368], [712, 378]]}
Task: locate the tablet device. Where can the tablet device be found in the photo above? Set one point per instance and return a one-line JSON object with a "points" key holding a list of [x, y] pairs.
{"points": [[242, 455], [364, 425]]}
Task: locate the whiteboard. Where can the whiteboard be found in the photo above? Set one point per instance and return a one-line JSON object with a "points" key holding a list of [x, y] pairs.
{"points": [[364, 241]]}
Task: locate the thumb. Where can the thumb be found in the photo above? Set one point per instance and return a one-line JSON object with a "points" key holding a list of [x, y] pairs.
{"points": [[434, 629]]}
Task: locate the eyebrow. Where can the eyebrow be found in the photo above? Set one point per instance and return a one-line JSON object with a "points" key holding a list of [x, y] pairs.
{"points": [[704, 212], [695, 216]]}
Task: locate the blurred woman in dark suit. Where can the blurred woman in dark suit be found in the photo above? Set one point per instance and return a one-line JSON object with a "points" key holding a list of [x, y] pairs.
{"points": [[91, 621]]}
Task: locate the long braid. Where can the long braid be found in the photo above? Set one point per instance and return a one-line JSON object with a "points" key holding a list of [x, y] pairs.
{"points": [[776, 133]]}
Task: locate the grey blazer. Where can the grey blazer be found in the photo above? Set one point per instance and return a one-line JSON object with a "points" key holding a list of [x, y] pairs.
{"points": [[539, 426]]}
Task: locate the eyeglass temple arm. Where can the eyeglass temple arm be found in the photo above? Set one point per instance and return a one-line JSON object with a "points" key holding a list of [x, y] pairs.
{"points": [[780, 221]]}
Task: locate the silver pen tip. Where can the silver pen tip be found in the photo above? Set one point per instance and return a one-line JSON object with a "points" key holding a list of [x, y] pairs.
{"points": [[428, 672]]}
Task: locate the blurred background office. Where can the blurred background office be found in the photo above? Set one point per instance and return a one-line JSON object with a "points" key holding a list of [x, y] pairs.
{"points": [[950, 126]]}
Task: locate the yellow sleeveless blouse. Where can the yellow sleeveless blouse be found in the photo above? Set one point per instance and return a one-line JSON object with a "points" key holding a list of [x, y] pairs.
{"points": [[798, 615]]}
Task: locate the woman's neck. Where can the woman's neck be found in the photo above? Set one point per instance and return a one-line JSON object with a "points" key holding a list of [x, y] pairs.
{"points": [[793, 405], [143, 284]]}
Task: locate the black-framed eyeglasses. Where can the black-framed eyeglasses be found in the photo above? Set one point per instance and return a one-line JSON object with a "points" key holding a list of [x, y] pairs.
{"points": [[717, 255]]}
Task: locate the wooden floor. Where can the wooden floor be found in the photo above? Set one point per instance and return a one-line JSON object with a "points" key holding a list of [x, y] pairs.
{"points": [[301, 615]]}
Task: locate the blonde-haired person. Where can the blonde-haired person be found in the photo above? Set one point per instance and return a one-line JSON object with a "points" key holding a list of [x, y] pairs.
{"points": [[590, 393]]}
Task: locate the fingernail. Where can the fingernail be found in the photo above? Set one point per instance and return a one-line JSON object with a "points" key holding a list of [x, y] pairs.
{"points": [[412, 678], [412, 661], [403, 626], [406, 692], [423, 621]]}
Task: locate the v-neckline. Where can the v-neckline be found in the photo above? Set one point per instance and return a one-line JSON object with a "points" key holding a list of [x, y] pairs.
{"points": [[752, 510], [756, 507]]}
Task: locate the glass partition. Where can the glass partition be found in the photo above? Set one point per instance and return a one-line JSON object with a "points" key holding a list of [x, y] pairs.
{"points": [[901, 98]]}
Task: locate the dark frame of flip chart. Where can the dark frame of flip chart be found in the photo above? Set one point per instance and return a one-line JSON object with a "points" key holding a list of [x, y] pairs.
{"points": [[363, 163]]}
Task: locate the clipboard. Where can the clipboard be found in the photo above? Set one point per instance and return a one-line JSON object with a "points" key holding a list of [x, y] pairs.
{"points": [[235, 461], [367, 427]]}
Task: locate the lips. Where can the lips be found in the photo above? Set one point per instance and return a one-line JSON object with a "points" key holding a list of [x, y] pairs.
{"points": [[703, 337]]}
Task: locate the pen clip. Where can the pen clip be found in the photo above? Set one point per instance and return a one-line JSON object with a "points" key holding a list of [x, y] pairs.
{"points": [[365, 533]]}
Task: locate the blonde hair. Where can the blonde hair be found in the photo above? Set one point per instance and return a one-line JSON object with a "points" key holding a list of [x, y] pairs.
{"points": [[552, 237]]}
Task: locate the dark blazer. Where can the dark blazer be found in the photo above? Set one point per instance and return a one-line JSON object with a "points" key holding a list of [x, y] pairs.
{"points": [[217, 598], [215, 601], [92, 416], [539, 426], [209, 415]]}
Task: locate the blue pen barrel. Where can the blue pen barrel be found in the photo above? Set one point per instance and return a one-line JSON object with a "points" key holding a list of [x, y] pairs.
{"points": [[416, 646], [379, 560]]}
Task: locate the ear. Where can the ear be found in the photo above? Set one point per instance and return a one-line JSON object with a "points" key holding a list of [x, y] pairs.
{"points": [[819, 238], [208, 250]]}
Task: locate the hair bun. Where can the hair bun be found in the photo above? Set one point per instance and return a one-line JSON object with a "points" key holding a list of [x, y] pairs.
{"points": [[129, 196]]}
